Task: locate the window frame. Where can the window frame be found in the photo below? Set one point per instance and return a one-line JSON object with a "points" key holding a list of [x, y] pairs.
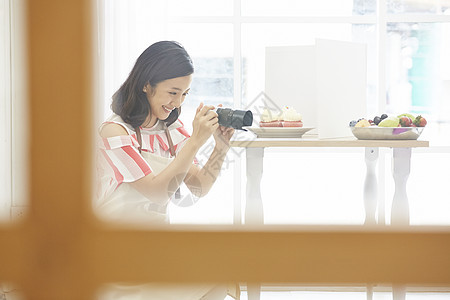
{"points": [[61, 251]]}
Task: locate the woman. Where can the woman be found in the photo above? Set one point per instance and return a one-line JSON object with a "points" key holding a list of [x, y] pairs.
{"points": [[145, 152]]}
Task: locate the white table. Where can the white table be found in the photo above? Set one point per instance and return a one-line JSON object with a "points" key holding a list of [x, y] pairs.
{"points": [[401, 151]]}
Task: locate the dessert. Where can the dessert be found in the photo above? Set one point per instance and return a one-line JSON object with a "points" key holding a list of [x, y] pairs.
{"points": [[269, 119], [288, 117]]}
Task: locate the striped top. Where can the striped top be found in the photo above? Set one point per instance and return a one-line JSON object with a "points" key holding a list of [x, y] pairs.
{"points": [[119, 161]]}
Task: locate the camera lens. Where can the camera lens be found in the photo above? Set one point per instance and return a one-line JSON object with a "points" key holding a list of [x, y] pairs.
{"points": [[234, 118]]}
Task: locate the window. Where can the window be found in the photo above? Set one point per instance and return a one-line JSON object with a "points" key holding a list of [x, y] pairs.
{"points": [[407, 70], [68, 254]]}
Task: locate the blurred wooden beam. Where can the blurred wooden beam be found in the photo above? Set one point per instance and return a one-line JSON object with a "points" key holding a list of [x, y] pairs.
{"points": [[60, 100], [13, 250], [320, 257]]}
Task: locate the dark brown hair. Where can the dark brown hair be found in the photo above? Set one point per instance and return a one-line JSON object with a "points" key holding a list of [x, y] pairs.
{"points": [[161, 61]]}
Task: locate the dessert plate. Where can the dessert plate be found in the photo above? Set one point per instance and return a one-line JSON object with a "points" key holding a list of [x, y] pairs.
{"points": [[387, 133], [279, 132]]}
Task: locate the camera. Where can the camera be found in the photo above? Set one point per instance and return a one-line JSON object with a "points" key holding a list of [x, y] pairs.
{"points": [[234, 118]]}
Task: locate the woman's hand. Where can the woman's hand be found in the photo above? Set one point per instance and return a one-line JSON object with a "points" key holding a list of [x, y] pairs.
{"points": [[205, 123], [222, 136]]}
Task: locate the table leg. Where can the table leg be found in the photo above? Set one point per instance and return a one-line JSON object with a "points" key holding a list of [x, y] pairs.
{"points": [[401, 166], [371, 185], [254, 213], [398, 292], [371, 195], [400, 170], [369, 292], [253, 291]]}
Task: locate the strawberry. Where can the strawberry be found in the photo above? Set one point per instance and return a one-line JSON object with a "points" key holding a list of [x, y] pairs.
{"points": [[423, 122], [405, 121], [420, 121]]}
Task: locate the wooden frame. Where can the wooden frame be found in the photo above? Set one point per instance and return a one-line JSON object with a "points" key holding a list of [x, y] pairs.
{"points": [[61, 251]]}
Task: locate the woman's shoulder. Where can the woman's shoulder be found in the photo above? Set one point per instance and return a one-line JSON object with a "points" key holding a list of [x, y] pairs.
{"points": [[114, 126]]}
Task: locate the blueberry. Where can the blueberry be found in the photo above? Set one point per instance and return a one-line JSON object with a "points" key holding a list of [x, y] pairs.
{"points": [[352, 123], [376, 120], [384, 116]]}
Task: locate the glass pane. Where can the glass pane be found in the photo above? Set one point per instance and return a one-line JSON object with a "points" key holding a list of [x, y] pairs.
{"points": [[256, 37], [310, 295], [199, 8], [430, 205], [13, 113], [127, 36], [9, 291], [5, 112], [417, 73], [168, 291], [345, 296], [428, 296], [267, 292], [307, 8], [213, 63], [131, 26], [418, 7], [212, 84], [380, 292], [298, 197]]}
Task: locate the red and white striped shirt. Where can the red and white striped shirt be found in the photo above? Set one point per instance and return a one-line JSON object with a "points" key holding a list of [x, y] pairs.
{"points": [[119, 160]]}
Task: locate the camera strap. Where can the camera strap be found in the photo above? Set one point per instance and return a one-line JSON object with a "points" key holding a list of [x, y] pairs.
{"points": [[173, 154], [139, 138], [169, 140]]}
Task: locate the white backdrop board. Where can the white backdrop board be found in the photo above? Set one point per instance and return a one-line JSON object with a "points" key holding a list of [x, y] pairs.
{"points": [[325, 82], [291, 80]]}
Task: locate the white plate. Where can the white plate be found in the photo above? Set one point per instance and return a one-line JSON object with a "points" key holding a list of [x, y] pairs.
{"points": [[386, 133], [279, 132]]}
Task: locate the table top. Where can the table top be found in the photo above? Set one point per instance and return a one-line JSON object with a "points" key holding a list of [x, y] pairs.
{"points": [[334, 142]]}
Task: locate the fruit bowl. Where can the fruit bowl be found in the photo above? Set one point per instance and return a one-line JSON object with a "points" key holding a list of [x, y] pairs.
{"points": [[386, 133]]}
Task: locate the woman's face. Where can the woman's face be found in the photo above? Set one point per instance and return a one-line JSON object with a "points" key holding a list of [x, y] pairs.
{"points": [[166, 96]]}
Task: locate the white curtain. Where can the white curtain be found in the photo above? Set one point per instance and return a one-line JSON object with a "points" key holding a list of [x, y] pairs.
{"points": [[125, 29]]}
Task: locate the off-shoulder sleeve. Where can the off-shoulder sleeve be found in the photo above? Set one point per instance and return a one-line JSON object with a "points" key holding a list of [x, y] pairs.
{"points": [[120, 157]]}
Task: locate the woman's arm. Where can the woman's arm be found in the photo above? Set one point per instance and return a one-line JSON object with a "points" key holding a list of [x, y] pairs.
{"points": [[200, 180]]}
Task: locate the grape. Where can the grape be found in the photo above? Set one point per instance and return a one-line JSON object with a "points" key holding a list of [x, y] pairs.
{"points": [[376, 120]]}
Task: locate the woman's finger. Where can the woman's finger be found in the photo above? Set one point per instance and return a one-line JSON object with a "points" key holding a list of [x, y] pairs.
{"points": [[199, 108], [229, 131], [212, 121], [211, 115], [205, 109]]}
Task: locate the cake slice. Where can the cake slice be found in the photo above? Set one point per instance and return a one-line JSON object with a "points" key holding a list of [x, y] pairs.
{"points": [[288, 117]]}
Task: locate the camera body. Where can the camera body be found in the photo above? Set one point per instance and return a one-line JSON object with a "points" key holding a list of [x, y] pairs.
{"points": [[234, 118]]}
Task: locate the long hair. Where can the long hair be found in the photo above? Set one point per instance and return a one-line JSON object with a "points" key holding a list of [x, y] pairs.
{"points": [[161, 61]]}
